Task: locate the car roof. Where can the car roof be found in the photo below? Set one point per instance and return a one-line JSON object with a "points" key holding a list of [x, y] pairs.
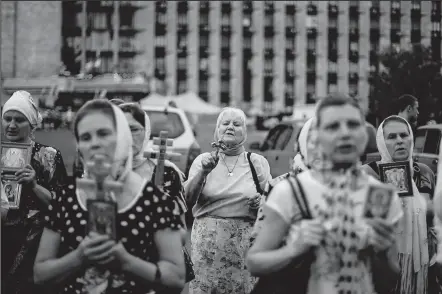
{"points": [[162, 108], [435, 126]]}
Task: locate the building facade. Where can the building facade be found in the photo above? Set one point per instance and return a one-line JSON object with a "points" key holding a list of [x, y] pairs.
{"points": [[270, 55]]}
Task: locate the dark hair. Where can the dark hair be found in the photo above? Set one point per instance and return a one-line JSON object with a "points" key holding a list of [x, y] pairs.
{"points": [[96, 105], [404, 101], [117, 101], [135, 111], [335, 99], [395, 118]]}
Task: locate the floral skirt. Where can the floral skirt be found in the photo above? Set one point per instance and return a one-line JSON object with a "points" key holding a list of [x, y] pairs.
{"points": [[219, 247]]}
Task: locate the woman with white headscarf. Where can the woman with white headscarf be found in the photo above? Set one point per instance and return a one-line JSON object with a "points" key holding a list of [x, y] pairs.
{"points": [[41, 179], [147, 251], [395, 143], [222, 187]]}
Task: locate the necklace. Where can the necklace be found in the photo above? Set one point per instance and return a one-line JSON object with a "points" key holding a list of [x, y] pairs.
{"points": [[230, 174]]}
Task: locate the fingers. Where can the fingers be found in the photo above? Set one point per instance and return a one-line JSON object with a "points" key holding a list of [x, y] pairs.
{"points": [[381, 227], [98, 252]]}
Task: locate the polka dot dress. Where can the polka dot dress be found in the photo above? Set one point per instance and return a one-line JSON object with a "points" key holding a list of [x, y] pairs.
{"points": [[136, 227]]}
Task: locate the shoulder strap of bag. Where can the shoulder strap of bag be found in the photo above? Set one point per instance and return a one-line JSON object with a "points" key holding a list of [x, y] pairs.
{"points": [[299, 195], [254, 175]]}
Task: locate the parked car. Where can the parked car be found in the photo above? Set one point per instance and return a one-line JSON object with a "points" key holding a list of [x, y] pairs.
{"points": [[426, 146], [278, 146], [176, 123]]}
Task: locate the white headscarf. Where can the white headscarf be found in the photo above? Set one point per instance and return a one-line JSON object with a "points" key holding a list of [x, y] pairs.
{"points": [[238, 147], [412, 240], [301, 160], [23, 102]]}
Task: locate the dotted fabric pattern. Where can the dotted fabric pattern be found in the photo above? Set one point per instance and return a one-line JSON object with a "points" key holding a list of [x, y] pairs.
{"points": [[153, 211]]}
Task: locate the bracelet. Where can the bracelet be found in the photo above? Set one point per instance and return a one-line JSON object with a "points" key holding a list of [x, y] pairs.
{"points": [[157, 274]]}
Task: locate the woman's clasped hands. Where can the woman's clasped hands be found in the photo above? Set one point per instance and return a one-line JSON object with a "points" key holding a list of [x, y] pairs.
{"points": [[97, 249]]}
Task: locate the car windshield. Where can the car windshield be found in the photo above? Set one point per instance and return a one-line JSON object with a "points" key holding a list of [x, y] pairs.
{"points": [[161, 121]]}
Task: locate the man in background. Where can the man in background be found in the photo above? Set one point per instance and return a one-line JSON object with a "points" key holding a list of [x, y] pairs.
{"points": [[407, 107]]}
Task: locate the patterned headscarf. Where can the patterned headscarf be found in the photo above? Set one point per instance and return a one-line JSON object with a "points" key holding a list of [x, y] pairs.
{"points": [[23, 102], [238, 147], [412, 245]]}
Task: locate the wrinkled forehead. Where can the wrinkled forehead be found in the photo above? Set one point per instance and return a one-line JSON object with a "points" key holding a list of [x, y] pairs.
{"points": [[395, 127], [14, 114], [339, 113], [232, 115]]}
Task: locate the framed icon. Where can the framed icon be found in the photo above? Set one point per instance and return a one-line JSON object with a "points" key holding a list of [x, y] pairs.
{"points": [[397, 174], [12, 190], [102, 217], [378, 202], [14, 156]]}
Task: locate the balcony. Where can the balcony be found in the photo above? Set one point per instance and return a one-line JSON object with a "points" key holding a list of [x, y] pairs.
{"points": [[225, 52], [333, 10], [290, 32], [226, 30], [375, 34], [332, 78], [247, 32], [395, 36], [182, 29], [415, 36], [160, 29], [415, 14], [312, 32], [226, 8], [333, 32], [354, 34], [290, 9], [269, 53], [182, 7], [160, 51], [269, 8], [354, 10], [312, 9], [204, 51], [374, 13], [203, 75], [204, 29], [353, 78], [161, 7], [269, 31], [182, 52], [247, 7], [247, 53], [290, 54], [204, 6], [333, 55]]}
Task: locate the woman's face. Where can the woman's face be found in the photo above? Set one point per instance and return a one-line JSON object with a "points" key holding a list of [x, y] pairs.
{"points": [[231, 129], [16, 126], [137, 130], [96, 136], [398, 140]]}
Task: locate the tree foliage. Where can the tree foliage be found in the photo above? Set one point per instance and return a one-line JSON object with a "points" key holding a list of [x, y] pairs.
{"points": [[413, 71]]}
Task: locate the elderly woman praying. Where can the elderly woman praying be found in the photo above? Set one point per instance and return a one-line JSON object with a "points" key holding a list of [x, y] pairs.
{"points": [[224, 193]]}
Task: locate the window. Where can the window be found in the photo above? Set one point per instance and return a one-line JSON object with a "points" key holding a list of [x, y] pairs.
{"points": [[432, 142], [182, 86], [332, 66], [268, 67], [247, 41], [354, 67], [333, 22], [419, 141], [225, 64], [204, 86], [354, 46], [182, 63], [270, 141], [204, 64], [311, 44], [283, 138], [290, 66], [225, 86], [160, 41], [435, 26], [204, 41], [225, 19], [354, 24], [204, 18], [170, 122], [268, 43]]}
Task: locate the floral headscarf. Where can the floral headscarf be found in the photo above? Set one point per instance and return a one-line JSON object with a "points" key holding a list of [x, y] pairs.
{"points": [[412, 244], [238, 147]]}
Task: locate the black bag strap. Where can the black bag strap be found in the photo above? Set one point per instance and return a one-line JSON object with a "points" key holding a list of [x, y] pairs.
{"points": [[254, 175], [299, 195]]}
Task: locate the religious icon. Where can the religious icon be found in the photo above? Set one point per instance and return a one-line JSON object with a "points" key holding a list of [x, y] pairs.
{"points": [[378, 201], [102, 217], [12, 190], [397, 174], [15, 156]]}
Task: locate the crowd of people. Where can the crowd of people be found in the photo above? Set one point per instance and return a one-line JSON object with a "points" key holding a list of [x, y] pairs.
{"points": [[332, 224]]}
